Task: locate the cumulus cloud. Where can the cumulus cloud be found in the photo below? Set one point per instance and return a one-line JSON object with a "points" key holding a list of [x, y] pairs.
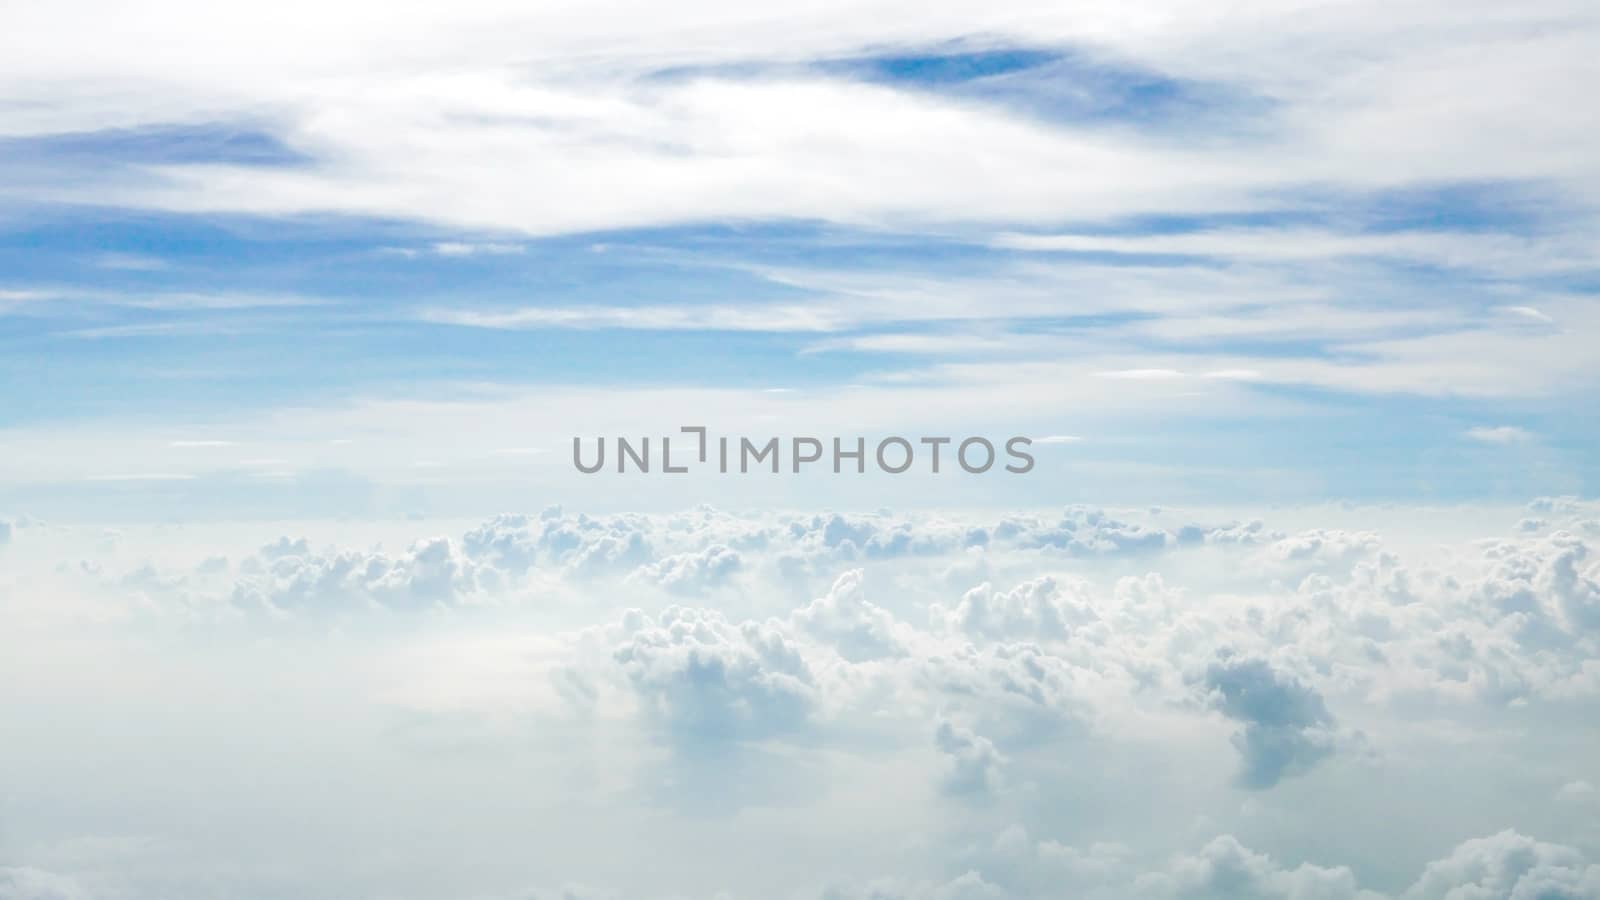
{"points": [[910, 670], [1287, 727], [1225, 869], [1320, 548], [1562, 506], [290, 575], [1041, 609], [1576, 588], [846, 620], [1085, 531], [1015, 693], [508, 541], [1512, 866], [1502, 620], [1506, 866], [972, 765], [704, 679], [1549, 583], [580, 546], [691, 572]]}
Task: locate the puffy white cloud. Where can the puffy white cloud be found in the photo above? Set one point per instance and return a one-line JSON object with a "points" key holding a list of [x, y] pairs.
{"points": [[693, 571], [705, 679], [1028, 867], [1575, 588], [973, 767], [507, 541], [1227, 870], [1014, 693], [1041, 609], [1500, 620], [847, 621], [289, 575], [1084, 531], [609, 553], [1547, 586], [1244, 533], [1049, 689], [1506, 866], [580, 545], [1511, 866], [1323, 549], [1568, 505], [824, 541], [683, 552]]}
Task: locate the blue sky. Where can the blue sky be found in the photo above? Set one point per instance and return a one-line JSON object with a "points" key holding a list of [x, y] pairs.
{"points": [[1241, 283]]}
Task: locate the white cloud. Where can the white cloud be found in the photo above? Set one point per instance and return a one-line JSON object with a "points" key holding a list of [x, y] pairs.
{"points": [[438, 117], [692, 572], [1225, 868], [33, 884], [1448, 249], [290, 575], [844, 619], [1499, 434], [1508, 865], [1577, 791], [1142, 374], [373, 113], [143, 476], [707, 680], [654, 318], [973, 766], [1528, 312], [1057, 686], [487, 248], [1040, 609]]}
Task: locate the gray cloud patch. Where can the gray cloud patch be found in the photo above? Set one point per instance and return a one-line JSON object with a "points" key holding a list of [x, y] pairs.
{"points": [[1287, 727]]}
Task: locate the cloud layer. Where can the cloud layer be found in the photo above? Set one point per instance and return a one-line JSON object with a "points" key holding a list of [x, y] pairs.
{"points": [[1116, 703]]}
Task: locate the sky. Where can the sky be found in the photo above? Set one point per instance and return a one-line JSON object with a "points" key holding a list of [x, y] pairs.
{"points": [[304, 305], [1267, 253]]}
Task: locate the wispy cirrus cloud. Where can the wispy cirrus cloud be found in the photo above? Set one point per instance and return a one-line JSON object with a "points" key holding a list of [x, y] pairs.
{"points": [[1059, 206], [455, 131], [652, 318], [1499, 434]]}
